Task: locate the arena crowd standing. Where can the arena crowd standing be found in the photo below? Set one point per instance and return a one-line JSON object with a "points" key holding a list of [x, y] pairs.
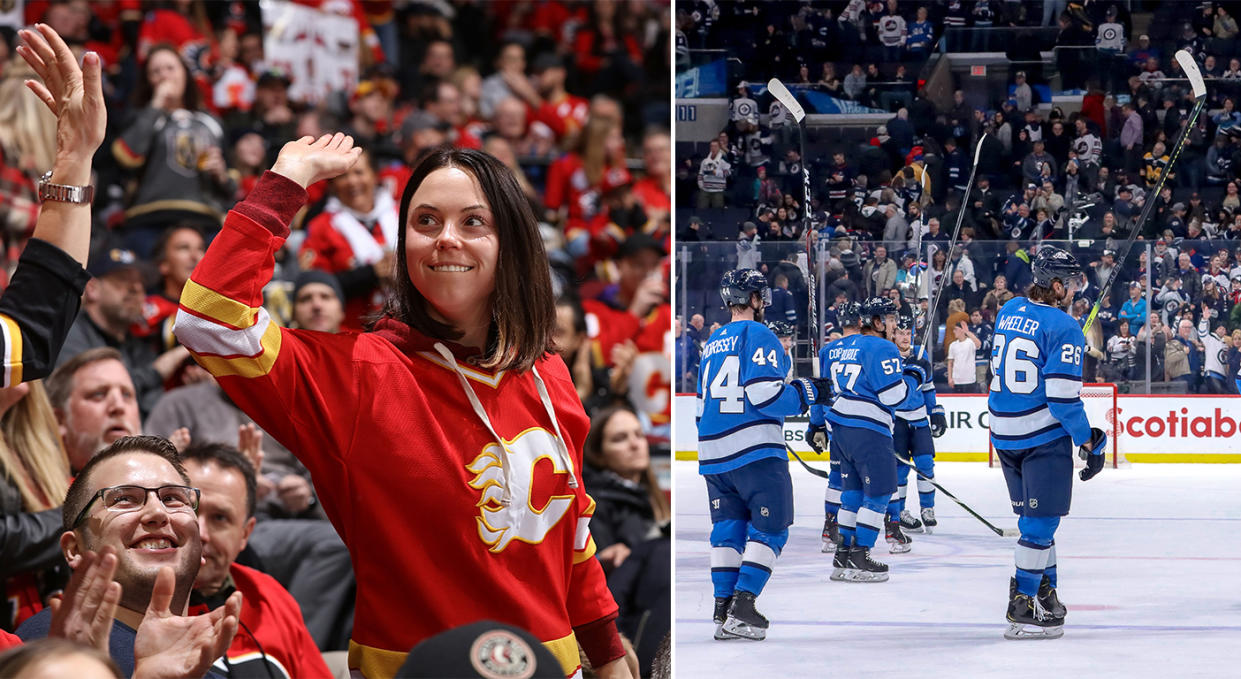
{"points": [[572, 96], [1042, 174]]}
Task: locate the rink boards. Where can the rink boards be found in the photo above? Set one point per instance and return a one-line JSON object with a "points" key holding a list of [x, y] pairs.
{"points": [[1153, 428]]}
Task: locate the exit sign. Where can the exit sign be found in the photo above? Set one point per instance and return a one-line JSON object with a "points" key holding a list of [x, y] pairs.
{"points": [[979, 70]]}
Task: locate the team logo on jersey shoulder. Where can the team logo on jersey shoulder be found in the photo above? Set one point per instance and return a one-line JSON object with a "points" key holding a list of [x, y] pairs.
{"points": [[498, 523], [500, 654]]}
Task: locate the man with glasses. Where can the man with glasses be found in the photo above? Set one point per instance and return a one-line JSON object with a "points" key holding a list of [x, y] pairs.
{"points": [[135, 497]]}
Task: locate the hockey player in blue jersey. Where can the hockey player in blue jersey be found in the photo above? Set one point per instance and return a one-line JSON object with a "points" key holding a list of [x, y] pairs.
{"points": [[742, 402], [918, 419], [849, 319], [1037, 418], [865, 371]]}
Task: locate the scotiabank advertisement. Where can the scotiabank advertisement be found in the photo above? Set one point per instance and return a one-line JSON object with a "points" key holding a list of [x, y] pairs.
{"points": [[1157, 428]]}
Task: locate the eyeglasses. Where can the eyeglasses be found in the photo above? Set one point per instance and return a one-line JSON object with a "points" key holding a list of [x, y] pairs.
{"points": [[131, 498]]}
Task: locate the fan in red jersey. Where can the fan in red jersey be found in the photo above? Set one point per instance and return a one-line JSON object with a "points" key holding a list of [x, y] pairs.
{"points": [[454, 407]]}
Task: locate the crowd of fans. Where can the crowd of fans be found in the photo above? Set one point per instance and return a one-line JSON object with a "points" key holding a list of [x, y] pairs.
{"points": [[572, 96], [1042, 174]]}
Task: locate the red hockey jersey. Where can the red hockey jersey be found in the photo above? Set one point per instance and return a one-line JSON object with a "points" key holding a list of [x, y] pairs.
{"points": [[273, 636], [456, 489]]}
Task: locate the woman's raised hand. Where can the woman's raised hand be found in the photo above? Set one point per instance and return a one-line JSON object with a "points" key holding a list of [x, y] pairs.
{"points": [[73, 93], [309, 160]]}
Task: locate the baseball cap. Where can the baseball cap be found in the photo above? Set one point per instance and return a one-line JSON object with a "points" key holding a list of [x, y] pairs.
{"points": [[486, 649], [274, 75], [1032, 185], [109, 260], [418, 121], [1109, 253], [1178, 206]]}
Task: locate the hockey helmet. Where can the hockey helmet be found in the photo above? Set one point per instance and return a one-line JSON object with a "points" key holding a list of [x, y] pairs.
{"points": [[1051, 263], [878, 306], [849, 314], [781, 328], [905, 321], [737, 285]]}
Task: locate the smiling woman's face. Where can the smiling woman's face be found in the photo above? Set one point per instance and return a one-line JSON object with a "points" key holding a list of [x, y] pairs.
{"points": [[451, 246]]}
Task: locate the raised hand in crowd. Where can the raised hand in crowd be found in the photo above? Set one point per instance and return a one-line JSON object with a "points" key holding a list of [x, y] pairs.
{"points": [[250, 443], [75, 96], [309, 160]]}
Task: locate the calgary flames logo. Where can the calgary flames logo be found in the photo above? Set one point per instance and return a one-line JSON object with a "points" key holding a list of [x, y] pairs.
{"points": [[500, 524]]}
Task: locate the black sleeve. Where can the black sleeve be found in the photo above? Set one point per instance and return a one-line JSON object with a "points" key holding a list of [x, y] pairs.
{"points": [[37, 310], [30, 542]]}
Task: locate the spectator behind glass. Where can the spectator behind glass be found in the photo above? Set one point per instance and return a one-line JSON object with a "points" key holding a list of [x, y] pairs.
{"points": [[175, 150]]}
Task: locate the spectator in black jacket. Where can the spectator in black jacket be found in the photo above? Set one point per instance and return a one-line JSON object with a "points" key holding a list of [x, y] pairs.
{"points": [[630, 505]]}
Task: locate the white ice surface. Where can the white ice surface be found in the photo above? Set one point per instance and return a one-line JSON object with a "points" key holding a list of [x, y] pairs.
{"points": [[1149, 563]]}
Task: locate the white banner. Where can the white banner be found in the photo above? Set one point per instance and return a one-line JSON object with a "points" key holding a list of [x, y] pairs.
{"points": [[1162, 428], [318, 50]]}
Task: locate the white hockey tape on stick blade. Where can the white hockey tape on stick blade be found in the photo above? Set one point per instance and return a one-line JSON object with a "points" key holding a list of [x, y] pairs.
{"points": [[786, 98], [1186, 60]]}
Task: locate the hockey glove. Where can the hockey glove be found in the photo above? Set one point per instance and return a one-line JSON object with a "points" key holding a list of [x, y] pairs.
{"points": [[805, 391], [1092, 453], [816, 435], [939, 422]]}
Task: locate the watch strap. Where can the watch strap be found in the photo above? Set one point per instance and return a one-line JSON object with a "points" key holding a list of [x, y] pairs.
{"points": [[64, 193]]}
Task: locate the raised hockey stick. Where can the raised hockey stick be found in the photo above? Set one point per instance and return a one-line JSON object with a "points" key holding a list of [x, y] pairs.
{"points": [[1186, 60], [956, 231], [790, 104], [1002, 532]]}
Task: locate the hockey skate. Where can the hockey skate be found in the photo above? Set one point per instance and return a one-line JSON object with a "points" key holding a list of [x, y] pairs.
{"points": [[1047, 596], [831, 534], [898, 542], [841, 569], [1028, 619], [743, 620], [719, 616], [909, 523], [928, 519], [862, 568]]}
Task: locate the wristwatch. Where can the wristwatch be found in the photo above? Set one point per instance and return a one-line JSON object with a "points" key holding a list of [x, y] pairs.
{"points": [[64, 193]]}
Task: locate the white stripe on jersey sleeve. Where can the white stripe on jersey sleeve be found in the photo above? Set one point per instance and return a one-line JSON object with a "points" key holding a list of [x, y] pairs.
{"points": [[1059, 387], [763, 393], [893, 394]]}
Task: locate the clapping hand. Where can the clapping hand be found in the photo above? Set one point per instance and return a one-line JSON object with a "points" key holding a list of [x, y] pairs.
{"points": [[74, 94], [309, 160], [84, 612], [171, 645]]}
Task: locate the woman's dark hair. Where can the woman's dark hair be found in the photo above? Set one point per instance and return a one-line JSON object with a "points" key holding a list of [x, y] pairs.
{"points": [[144, 90], [523, 312]]}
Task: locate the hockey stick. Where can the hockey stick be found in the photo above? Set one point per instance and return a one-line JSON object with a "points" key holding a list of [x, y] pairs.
{"points": [[952, 244], [817, 472], [790, 103], [1002, 532], [1186, 60]]}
